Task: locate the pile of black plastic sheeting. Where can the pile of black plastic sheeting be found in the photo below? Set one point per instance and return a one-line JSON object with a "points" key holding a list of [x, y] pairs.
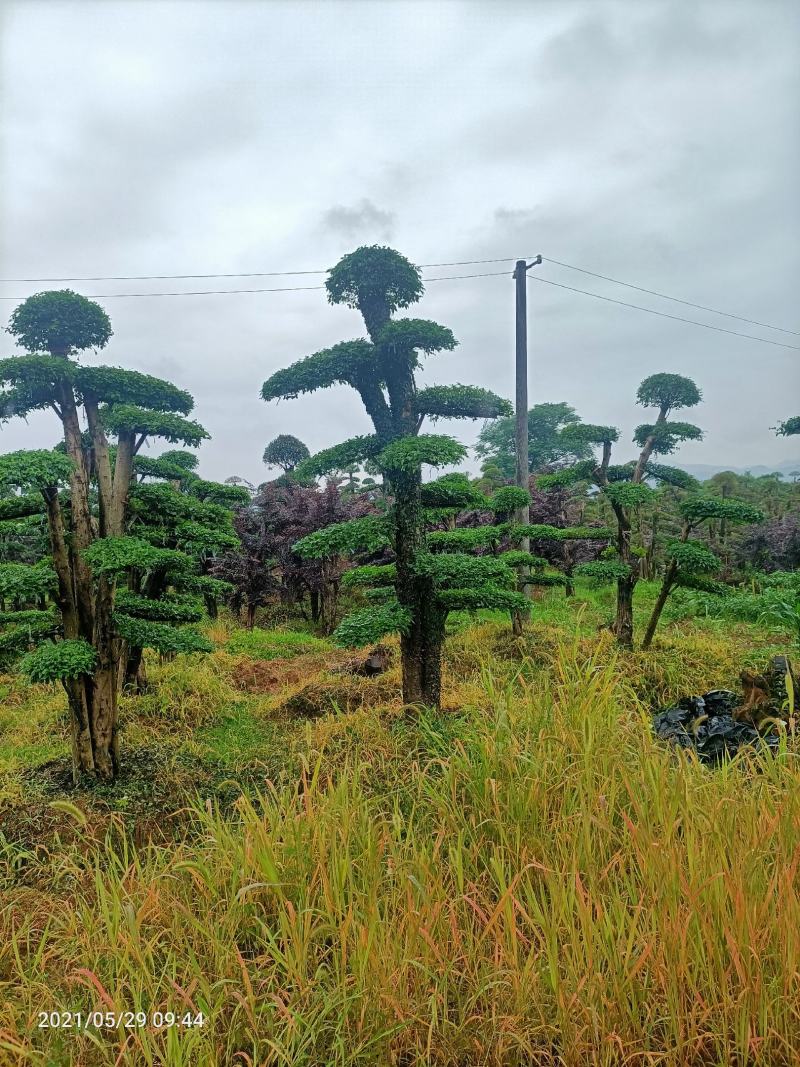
{"points": [[706, 725]]}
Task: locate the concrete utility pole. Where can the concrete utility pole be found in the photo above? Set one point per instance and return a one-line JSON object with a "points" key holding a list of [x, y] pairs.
{"points": [[521, 277]]}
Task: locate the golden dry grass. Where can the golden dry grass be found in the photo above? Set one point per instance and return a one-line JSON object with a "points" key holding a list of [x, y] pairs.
{"points": [[528, 881]]}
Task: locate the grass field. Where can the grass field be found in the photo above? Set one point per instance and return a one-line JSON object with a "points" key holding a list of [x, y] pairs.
{"points": [[526, 878]]}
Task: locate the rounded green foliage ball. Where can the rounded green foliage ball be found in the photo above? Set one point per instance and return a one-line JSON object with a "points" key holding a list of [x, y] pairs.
{"points": [[669, 391], [374, 275], [60, 322]]}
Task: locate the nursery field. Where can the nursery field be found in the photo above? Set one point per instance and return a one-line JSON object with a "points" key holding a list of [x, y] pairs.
{"points": [[292, 868]]}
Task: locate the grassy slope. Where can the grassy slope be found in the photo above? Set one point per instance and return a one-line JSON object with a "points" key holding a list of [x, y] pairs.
{"points": [[524, 879]]}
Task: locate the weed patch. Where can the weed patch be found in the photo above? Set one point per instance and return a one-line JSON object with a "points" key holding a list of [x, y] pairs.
{"points": [[274, 644]]}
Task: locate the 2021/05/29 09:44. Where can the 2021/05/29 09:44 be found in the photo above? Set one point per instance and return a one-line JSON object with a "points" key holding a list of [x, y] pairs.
{"points": [[112, 1020]]}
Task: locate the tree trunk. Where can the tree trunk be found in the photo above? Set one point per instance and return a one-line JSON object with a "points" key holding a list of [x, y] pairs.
{"points": [[663, 593], [135, 674], [421, 651], [212, 608], [82, 747], [92, 699], [623, 624], [421, 647]]}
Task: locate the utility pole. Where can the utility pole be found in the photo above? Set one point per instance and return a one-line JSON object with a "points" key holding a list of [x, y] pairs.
{"points": [[521, 277]]}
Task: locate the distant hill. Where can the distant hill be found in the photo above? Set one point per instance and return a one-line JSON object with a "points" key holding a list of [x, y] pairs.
{"points": [[702, 471]]}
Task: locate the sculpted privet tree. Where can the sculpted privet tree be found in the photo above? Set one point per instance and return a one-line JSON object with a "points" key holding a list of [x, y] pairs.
{"points": [[87, 525], [544, 537], [691, 563], [174, 510], [624, 486], [378, 281]]}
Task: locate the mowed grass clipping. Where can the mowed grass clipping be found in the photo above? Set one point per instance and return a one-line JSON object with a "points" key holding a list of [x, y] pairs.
{"points": [[531, 881]]}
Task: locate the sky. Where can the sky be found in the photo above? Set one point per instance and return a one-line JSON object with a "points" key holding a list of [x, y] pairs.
{"points": [[657, 143]]}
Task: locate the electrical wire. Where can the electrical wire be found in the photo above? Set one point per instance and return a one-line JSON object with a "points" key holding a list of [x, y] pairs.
{"points": [[252, 274], [675, 299], [283, 289], [442, 278], [662, 314]]}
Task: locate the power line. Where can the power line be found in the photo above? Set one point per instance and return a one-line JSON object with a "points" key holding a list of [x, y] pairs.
{"points": [[662, 314], [298, 273], [443, 278], [677, 300], [283, 289], [252, 274], [188, 292], [455, 277]]}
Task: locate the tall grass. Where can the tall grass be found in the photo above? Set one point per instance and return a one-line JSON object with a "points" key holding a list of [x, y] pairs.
{"points": [[533, 882]]}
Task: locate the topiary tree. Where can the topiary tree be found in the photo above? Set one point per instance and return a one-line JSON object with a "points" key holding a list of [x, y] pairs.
{"points": [[85, 488], [505, 502], [624, 486], [423, 587], [285, 451], [690, 563], [186, 516]]}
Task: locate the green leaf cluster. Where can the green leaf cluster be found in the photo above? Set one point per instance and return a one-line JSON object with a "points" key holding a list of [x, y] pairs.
{"points": [[160, 468], [404, 335], [370, 625], [118, 386], [381, 574], [584, 471], [339, 457], [508, 498], [518, 558], [451, 491], [666, 435], [61, 321], [408, 453], [367, 534], [458, 570], [111, 555], [460, 402], [693, 558], [589, 433], [129, 418], [668, 391], [699, 508], [601, 570], [174, 609], [56, 662], [464, 539], [26, 582], [671, 476], [484, 597], [342, 364], [629, 494], [20, 507], [141, 633], [34, 469]]}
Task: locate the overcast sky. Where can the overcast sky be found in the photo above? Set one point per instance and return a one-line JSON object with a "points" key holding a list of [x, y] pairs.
{"points": [[654, 142]]}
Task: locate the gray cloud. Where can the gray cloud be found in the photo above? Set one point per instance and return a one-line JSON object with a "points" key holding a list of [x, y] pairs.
{"points": [[362, 223]]}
